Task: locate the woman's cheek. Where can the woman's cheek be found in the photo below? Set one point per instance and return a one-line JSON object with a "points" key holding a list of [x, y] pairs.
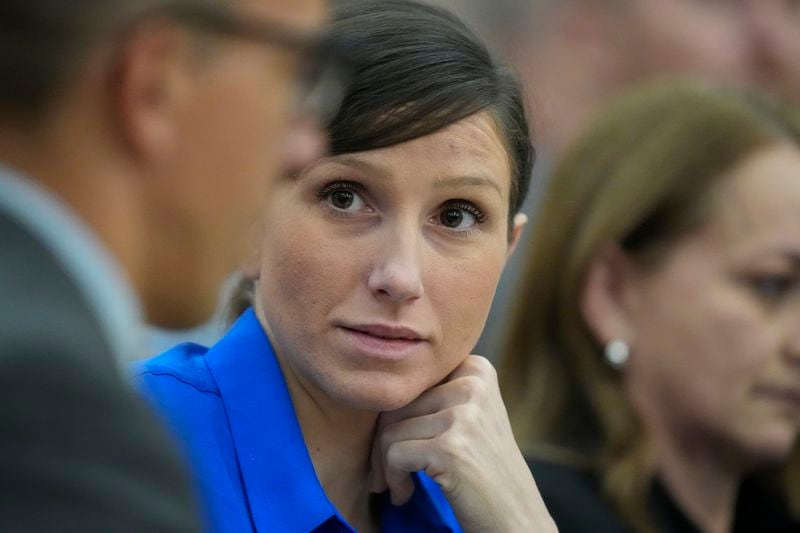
{"points": [[298, 271], [463, 297]]}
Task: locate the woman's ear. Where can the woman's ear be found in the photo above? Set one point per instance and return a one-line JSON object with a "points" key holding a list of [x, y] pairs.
{"points": [[604, 301], [520, 219]]}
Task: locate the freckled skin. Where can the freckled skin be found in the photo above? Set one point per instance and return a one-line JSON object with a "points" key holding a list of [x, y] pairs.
{"points": [[394, 265]]}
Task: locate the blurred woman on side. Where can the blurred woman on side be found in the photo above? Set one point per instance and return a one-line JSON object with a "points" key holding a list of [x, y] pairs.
{"points": [[652, 370]]}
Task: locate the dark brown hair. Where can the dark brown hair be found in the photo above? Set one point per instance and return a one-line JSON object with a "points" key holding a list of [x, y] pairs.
{"points": [[419, 70]]}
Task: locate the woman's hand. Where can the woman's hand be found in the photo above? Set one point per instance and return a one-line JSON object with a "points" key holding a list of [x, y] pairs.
{"points": [[459, 434]]}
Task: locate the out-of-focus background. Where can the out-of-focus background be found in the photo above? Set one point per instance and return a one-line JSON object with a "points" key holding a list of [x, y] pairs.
{"points": [[573, 56]]}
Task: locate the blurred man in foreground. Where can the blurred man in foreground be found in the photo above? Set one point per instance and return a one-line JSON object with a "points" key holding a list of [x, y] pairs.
{"points": [[137, 140]]}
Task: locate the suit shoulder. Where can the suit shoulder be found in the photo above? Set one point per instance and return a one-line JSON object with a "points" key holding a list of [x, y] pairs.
{"points": [[183, 366]]}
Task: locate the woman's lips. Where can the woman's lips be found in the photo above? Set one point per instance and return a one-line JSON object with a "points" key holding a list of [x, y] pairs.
{"points": [[386, 331], [382, 341]]}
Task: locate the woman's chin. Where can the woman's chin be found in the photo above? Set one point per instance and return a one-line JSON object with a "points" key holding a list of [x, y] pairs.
{"points": [[377, 397]]}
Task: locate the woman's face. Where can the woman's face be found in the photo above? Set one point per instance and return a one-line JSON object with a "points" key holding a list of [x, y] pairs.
{"points": [[377, 268], [716, 328]]}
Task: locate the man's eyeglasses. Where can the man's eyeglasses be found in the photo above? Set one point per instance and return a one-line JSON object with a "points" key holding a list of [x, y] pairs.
{"points": [[327, 61]]}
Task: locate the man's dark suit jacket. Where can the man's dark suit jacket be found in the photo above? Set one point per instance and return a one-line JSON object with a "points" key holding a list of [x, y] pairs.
{"points": [[79, 451]]}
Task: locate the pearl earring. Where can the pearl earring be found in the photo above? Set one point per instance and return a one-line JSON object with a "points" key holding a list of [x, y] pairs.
{"points": [[617, 353]]}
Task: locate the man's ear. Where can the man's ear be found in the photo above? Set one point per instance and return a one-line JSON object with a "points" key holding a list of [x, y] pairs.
{"points": [[150, 83], [604, 298], [520, 219]]}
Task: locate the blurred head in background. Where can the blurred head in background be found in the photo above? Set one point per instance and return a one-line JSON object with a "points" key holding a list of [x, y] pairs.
{"points": [[574, 55], [161, 123], [657, 330]]}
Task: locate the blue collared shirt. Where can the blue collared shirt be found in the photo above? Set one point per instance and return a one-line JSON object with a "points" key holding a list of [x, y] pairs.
{"points": [[231, 409], [98, 275]]}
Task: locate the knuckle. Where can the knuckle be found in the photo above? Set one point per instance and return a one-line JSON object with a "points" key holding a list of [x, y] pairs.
{"points": [[450, 445], [394, 454], [449, 482], [475, 387], [463, 388], [483, 366], [469, 414], [448, 417]]}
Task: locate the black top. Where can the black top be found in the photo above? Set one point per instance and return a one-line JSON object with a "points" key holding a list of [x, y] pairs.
{"points": [[577, 505], [79, 450]]}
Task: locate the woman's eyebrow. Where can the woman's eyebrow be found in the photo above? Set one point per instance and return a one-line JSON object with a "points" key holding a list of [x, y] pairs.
{"points": [[468, 181], [377, 171], [360, 164]]}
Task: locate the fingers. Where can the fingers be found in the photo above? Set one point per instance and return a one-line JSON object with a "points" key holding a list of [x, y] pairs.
{"points": [[466, 382], [421, 419], [417, 428], [474, 366], [408, 439], [402, 458], [458, 434], [431, 401], [413, 429]]}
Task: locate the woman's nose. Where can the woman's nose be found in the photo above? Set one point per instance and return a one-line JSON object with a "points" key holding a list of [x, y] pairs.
{"points": [[396, 273]]}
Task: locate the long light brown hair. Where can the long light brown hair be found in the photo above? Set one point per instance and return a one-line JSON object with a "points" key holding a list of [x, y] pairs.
{"points": [[642, 175]]}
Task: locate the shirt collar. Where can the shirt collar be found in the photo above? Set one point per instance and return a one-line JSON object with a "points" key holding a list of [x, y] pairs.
{"points": [[281, 485], [282, 488], [81, 254]]}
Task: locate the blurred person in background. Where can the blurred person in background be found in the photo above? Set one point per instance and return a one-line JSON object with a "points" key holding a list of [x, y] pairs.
{"points": [[347, 397], [777, 30], [575, 55], [137, 140], [652, 364]]}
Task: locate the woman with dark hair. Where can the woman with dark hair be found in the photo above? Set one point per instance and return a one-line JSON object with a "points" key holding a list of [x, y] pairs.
{"points": [[346, 397], [652, 369]]}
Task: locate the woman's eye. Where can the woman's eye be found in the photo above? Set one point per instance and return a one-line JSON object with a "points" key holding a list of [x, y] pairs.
{"points": [[455, 218], [460, 216], [345, 197], [342, 199]]}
